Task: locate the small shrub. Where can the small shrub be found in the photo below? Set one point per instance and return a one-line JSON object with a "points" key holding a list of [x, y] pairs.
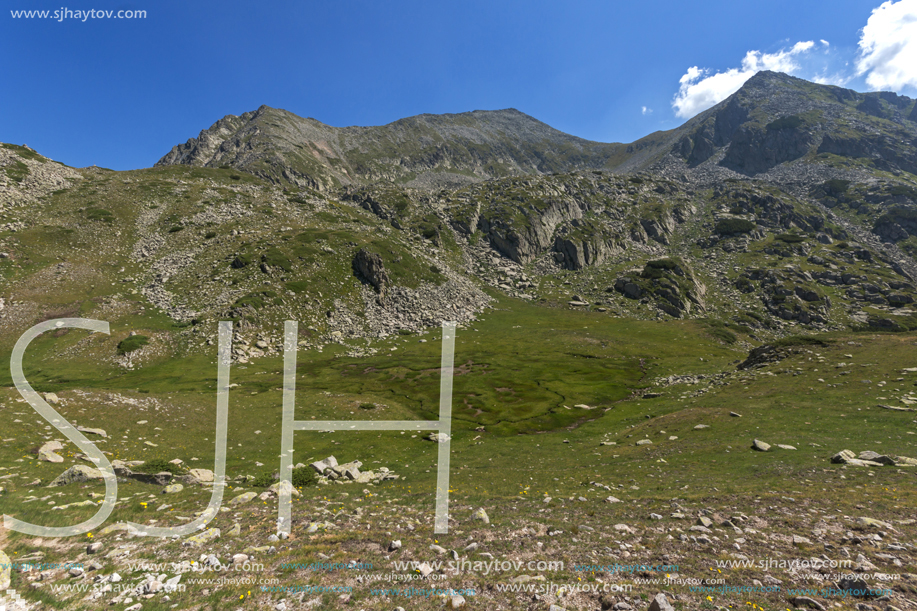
{"points": [[404, 332], [367, 406], [210, 235], [175, 229], [235, 176], [263, 481], [662, 264], [304, 477], [158, 465], [791, 238], [131, 343]]}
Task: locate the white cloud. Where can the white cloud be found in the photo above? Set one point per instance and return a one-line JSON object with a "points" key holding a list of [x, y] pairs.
{"points": [[888, 46], [699, 89], [646, 111]]}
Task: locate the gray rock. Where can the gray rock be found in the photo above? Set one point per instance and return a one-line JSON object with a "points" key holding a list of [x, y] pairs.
{"points": [[842, 457], [163, 478], [77, 474], [481, 515], [47, 452], [805, 601], [91, 431], [760, 446], [245, 497], [200, 476], [368, 266], [660, 603]]}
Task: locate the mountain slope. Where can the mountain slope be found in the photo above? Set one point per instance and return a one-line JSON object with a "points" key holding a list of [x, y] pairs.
{"points": [[425, 150], [776, 119]]}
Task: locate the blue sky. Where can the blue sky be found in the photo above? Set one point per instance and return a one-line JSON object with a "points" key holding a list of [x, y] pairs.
{"points": [[120, 93]]}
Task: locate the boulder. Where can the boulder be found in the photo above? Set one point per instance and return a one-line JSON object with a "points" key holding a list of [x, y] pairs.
{"points": [[660, 603], [368, 266], [245, 497], [842, 457], [200, 476], [48, 452], [163, 478], [77, 474], [91, 431]]}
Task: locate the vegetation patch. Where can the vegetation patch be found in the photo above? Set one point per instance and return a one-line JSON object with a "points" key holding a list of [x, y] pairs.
{"points": [[256, 299], [275, 258], [788, 122], [131, 343], [99, 214], [158, 465], [728, 226], [17, 171]]}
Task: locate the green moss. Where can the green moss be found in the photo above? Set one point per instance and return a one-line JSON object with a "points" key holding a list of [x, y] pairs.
{"points": [[275, 258], [298, 286], [727, 226], [788, 122], [131, 343], [99, 214], [255, 299], [25, 153], [835, 187]]}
